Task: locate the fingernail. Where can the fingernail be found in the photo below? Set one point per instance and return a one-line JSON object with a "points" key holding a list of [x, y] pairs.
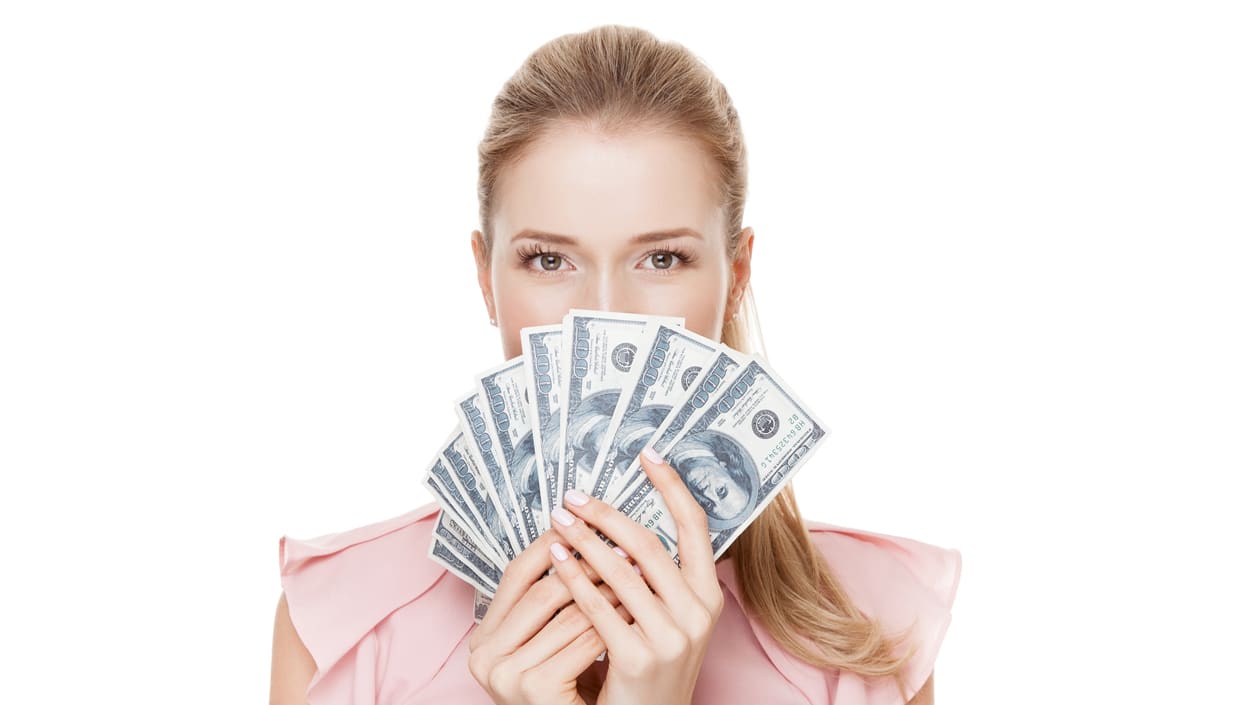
{"points": [[558, 551], [620, 552], [634, 567], [651, 454], [563, 517], [576, 498]]}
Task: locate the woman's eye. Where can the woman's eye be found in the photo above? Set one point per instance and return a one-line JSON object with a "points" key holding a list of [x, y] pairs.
{"points": [[666, 260], [550, 262], [662, 260]]}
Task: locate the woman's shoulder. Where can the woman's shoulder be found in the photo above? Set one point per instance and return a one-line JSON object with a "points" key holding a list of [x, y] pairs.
{"points": [[354, 597], [887, 566], [389, 534], [904, 584]]}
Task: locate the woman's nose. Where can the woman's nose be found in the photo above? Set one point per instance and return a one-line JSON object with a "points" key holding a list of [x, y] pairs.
{"points": [[608, 292]]}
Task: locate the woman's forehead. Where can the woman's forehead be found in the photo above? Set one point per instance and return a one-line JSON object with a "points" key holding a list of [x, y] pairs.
{"points": [[606, 188]]}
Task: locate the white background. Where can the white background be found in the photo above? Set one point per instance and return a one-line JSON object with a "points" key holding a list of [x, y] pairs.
{"points": [[1003, 249]]}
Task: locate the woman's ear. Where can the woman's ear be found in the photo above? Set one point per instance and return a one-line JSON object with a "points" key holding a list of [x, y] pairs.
{"points": [[483, 262], [741, 269]]}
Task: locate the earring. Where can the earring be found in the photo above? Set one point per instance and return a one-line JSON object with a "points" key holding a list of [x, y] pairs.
{"points": [[492, 321]]}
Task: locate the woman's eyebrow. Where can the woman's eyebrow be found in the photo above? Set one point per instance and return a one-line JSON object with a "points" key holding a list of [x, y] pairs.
{"points": [[557, 239]]}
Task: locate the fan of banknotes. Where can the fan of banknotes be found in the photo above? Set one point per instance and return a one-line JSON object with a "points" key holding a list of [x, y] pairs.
{"points": [[575, 410]]}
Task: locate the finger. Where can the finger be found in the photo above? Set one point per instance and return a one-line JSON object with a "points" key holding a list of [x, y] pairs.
{"points": [[634, 594], [696, 555], [569, 623], [567, 665], [538, 605], [660, 572], [530, 614], [517, 579], [617, 626]]}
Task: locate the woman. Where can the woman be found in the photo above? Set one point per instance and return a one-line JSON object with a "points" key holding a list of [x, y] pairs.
{"points": [[613, 177]]}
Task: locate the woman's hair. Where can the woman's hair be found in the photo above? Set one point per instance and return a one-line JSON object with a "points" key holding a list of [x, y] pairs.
{"points": [[617, 79]]}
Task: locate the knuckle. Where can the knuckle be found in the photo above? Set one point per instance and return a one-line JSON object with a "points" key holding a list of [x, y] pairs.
{"points": [[653, 549], [543, 542], [581, 538], [716, 606], [700, 624], [476, 665], [673, 648], [533, 686], [502, 680], [510, 573], [637, 666], [620, 574], [589, 571], [638, 541], [599, 609], [571, 619], [589, 638], [551, 592]]}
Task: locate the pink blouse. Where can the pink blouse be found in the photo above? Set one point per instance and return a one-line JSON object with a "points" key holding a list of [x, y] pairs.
{"points": [[386, 625]]}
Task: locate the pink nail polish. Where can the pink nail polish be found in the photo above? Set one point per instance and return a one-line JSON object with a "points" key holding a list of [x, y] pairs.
{"points": [[620, 552], [576, 498], [652, 455], [563, 517], [559, 551]]}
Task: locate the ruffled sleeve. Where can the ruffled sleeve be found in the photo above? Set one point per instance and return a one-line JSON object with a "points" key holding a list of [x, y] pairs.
{"points": [[904, 584], [340, 588]]}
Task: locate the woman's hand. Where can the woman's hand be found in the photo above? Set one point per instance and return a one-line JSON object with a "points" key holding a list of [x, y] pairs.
{"points": [[523, 654], [656, 659]]}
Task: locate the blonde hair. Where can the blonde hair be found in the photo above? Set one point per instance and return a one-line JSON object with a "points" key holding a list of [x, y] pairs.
{"points": [[616, 79]]}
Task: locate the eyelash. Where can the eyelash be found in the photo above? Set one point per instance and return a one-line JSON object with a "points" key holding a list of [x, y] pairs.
{"points": [[536, 250]]}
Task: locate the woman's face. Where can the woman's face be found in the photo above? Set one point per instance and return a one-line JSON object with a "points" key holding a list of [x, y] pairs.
{"points": [[629, 223]]}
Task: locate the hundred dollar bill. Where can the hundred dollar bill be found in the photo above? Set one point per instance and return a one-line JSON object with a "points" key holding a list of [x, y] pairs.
{"points": [[445, 556], [507, 396], [475, 498], [439, 479], [464, 546], [500, 493], [541, 353], [482, 603], [603, 346], [713, 378], [469, 532], [445, 494], [452, 516], [669, 362], [734, 456]]}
